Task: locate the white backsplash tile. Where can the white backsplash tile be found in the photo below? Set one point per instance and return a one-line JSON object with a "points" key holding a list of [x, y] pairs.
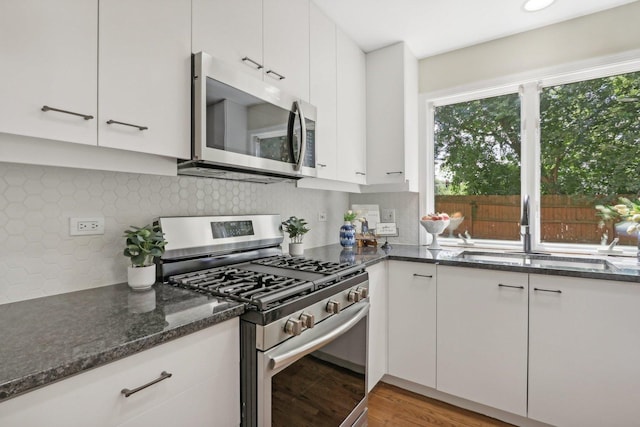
{"points": [[407, 212], [39, 258]]}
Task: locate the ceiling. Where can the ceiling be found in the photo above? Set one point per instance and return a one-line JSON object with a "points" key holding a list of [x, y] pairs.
{"points": [[430, 27]]}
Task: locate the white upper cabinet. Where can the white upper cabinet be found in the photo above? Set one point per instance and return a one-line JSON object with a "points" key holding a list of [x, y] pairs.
{"points": [[286, 45], [323, 92], [267, 38], [482, 336], [392, 117], [230, 30], [351, 108], [49, 58], [145, 68], [584, 349]]}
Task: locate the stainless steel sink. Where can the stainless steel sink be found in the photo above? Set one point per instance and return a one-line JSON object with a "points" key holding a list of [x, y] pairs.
{"points": [[538, 260]]}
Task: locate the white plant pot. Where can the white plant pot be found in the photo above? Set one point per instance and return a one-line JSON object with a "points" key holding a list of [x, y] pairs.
{"points": [[141, 277], [296, 249]]}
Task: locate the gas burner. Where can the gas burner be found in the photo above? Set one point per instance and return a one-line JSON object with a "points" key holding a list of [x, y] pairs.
{"points": [[304, 264]]}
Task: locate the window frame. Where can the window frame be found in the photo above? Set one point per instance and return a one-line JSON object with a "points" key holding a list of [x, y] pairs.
{"points": [[529, 86]]}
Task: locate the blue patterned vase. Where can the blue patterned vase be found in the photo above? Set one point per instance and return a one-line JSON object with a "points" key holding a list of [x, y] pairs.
{"points": [[348, 235]]}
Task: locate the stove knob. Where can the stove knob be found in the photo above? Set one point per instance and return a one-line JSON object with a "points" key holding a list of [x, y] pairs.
{"points": [[308, 320], [364, 292], [354, 295], [293, 327], [333, 307]]}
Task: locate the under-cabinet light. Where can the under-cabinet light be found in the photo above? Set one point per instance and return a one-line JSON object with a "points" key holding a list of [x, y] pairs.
{"points": [[536, 5]]}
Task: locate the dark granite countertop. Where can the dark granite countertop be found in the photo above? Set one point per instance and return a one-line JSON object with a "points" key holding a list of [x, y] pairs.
{"points": [[47, 339], [627, 270]]}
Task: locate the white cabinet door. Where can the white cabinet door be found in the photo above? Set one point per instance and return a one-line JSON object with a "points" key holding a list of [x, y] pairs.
{"points": [[144, 92], [351, 149], [230, 30], [323, 92], [392, 116], [482, 336], [377, 354], [412, 322], [286, 45], [203, 365], [49, 57], [584, 352]]}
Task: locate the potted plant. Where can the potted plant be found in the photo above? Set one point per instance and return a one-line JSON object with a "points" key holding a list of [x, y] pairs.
{"points": [[143, 246], [296, 228]]}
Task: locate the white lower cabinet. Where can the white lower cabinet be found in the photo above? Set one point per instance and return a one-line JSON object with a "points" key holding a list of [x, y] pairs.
{"points": [[482, 336], [377, 354], [584, 354], [412, 322], [204, 389]]}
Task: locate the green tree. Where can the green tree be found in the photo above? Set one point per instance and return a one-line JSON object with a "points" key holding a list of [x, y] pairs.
{"points": [[590, 140]]}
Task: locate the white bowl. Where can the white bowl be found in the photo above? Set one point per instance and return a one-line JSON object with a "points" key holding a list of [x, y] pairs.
{"points": [[435, 227]]}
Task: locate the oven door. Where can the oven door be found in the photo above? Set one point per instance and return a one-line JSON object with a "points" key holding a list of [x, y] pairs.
{"points": [[317, 378]]}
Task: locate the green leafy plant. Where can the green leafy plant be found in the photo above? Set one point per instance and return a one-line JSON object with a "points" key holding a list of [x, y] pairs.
{"points": [[144, 244], [626, 210], [296, 228], [350, 215]]}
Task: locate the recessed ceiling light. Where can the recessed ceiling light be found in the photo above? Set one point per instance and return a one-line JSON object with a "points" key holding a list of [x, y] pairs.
{"points": [[536, 5]]}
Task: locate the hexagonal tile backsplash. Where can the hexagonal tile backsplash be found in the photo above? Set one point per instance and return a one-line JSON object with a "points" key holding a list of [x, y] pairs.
{"points": [[38, 257]]}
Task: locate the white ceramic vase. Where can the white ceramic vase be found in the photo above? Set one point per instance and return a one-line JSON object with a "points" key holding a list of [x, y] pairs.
{"points": [[296, 249], [140, 278]]}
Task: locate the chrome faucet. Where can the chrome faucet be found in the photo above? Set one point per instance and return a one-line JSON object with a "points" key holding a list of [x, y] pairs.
{"points": [[524, 225]]}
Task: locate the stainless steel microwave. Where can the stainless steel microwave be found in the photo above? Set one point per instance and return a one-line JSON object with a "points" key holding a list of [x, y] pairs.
{"points": [[245, 129]]}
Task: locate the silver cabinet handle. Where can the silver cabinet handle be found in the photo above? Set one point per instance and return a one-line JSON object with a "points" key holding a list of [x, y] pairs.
{"points": [[163, 376], [275, 75], [430, 276], [324, 332], [46, 108], [394, 173], [556, 291], [322, 165], [360, 173], [510, 286], [113, 122], [257, 64]]}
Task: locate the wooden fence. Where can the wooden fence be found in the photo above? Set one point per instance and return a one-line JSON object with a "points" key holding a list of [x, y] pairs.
{"points": [[564, 219]]}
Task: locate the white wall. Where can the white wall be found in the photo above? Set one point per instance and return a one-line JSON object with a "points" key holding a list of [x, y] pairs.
{"points": [[38, 257], [602, 34]]}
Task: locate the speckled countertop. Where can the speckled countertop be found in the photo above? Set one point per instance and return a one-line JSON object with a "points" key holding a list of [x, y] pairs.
{"points": [[46, 339]]}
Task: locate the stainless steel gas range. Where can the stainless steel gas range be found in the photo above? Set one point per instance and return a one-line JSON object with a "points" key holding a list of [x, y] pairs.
{"points": [[304, 333]]}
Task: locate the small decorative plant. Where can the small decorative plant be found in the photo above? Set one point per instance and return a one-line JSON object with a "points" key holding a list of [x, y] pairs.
{"points": [[144, 245], [350, 216], [296, 228]]}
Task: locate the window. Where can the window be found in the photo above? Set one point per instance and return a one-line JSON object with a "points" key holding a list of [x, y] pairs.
{"points": [[585, 152], [477, 166]]}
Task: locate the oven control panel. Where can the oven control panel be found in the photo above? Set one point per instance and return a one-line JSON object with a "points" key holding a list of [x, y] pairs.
{"points": [[297, 323]]}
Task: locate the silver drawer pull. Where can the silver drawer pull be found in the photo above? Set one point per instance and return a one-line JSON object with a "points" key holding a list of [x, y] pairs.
{"points": [[430, 276], [163, 376], [113, 122], [360, 173], [84, 116], [247, 59], [510, 286], [556, 291], [275, 75], [394, 173]]}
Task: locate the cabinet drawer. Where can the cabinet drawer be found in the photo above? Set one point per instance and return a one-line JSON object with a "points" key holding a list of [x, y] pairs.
{"points": [[94, 397]]}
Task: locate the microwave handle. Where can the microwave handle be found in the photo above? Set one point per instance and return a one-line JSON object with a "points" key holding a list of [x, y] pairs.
{"points": [[303, 136]]}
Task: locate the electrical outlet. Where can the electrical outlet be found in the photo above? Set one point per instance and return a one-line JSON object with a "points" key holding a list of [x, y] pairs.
{"points": [[322, 217], [388, 215], [86, 226]]}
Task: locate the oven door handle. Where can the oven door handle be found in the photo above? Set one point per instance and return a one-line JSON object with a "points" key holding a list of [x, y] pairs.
{"points": [[286, 355]]}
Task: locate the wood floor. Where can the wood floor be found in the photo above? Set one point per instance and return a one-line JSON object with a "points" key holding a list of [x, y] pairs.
{"points": [[393, 406]]}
